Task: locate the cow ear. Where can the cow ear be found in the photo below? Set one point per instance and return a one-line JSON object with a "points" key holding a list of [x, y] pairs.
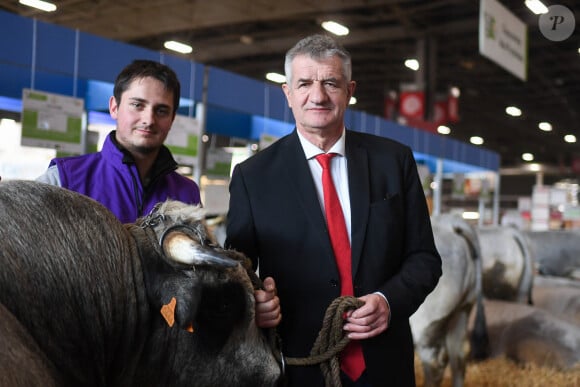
{"points": [[186, 310], [182, 312]]}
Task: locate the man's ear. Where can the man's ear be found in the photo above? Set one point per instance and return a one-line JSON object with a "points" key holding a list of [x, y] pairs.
{"points": [[113, 107], [351, 86], [286, 90]]}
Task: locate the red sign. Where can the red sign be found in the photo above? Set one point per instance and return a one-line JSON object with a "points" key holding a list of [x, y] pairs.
{"points": [[452, 109], [412, 104]]}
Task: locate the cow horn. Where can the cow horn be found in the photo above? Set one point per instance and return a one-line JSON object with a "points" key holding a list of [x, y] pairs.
{"points": [[181, 248]]}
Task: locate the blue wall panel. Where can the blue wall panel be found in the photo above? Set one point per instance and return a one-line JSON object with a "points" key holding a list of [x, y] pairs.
{"points": [[55, 83], [13, 79], [102, 59], [398, 132], [235, 92], [16, 39], [277, 107], [190, 75], [228, 122], [55, 49], [97, 95], [276, 128]]}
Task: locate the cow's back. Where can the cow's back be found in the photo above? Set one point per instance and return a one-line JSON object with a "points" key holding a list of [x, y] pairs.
{"points": [[508, 263], [64, 265], [556, 252]]}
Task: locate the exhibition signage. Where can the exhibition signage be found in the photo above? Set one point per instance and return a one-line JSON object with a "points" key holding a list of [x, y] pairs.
{"points": [[412, 101], [52, 121], [183, 138], [266, 140], [218, 163], [503, 38]]}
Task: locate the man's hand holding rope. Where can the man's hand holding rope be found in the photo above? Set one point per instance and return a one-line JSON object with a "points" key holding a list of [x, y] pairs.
{"points": [[370, 319], [268, 313]]}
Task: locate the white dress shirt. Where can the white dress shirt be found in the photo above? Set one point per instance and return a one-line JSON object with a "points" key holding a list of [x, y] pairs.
{"points": [[338, 167]]}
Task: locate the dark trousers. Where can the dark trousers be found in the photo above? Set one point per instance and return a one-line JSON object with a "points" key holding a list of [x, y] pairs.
{"points": [[363, 381]]}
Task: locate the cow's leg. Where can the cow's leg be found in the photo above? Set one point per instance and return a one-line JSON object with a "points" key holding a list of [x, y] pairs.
{"points": [[457, 344], [433, 361]]}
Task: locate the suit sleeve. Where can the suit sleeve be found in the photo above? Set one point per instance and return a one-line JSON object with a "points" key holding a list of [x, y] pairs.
{"points": [[240, 232], [421, 265]]}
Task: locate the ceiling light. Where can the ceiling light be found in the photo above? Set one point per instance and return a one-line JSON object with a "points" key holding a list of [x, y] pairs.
{"points": [[476, 140], [527, 157], [352, 101], [536, 6], [570, 138], [335, 28], [513, 111], [470, 215], [545, 126], [276, 77], [6, 122], [246, 39], [455, 92], [39, 4], [442, 129], [178, 47], [413, 64]]}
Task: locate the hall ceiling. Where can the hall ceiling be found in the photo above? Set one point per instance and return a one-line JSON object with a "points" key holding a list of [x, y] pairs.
{"points": [[251, 37]]}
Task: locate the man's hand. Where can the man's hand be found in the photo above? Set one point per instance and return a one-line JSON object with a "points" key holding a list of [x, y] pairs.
{"points": [[268, 313], [369, 320]]}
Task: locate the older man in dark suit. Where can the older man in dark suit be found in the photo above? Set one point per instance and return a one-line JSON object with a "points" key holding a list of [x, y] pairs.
{"points": [[379, 248]]}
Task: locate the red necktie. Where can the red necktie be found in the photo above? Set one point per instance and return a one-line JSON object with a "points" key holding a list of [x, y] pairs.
{"points": [[352, 361]]}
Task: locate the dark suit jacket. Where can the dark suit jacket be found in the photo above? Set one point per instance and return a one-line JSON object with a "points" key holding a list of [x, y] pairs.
{"points": [[276, 219]]}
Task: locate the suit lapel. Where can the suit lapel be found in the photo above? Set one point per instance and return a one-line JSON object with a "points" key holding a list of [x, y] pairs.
{"points": [[359, 188], [303, 190]]}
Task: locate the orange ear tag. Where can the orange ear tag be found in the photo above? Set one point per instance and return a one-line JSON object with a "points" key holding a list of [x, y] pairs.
{"points": [[168, 311]]}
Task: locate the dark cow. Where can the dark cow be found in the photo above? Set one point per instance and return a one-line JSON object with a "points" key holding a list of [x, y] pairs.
{"points": [[440, 325], [556, 252], [87, 301]]}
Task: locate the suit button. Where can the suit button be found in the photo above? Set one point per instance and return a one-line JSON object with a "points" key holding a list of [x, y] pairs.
{"points": [[333, 283]]}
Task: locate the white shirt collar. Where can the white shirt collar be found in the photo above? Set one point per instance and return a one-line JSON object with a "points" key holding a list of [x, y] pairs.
{"points": [[311, 150]]}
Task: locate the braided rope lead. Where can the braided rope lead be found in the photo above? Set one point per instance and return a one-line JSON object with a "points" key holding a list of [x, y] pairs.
{"points": [[330, 341]]}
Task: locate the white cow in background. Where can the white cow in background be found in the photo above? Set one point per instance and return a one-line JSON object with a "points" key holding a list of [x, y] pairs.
{"points": [[559, 296], [508, 264], [440, 325], [530, 335]]}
